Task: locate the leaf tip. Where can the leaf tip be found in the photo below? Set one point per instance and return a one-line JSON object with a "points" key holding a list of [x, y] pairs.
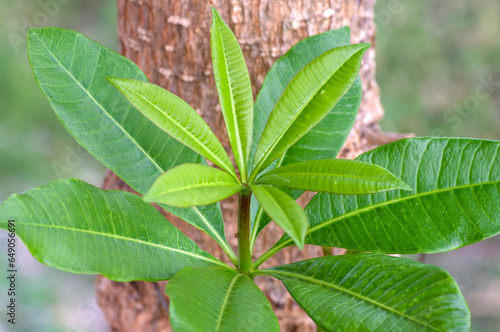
{"points": [[115, 81], [404, 186], [215, 14], [148, 198], [365, 45], [32, 31], [120, 83]]}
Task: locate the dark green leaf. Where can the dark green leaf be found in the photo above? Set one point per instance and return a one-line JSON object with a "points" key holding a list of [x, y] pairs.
{"points": [[325, 140], [76, 227], [339, 176], [71, 71], [455, 201], [375, 293], [218, 300]]}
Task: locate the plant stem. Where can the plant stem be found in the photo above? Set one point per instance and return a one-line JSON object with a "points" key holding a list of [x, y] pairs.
{"points": [[244, 252], [270, 253], [327, 251]]}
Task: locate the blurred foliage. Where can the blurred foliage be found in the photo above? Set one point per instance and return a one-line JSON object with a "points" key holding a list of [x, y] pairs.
{"points": [[34, 146], [431, 58], [35, 149]]}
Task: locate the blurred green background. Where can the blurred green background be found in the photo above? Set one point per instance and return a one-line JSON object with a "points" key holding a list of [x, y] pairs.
{"points": [[438, 66], [434, 62]]}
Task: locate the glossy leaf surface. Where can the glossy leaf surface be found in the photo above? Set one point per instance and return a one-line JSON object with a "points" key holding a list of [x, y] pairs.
{"points": [[218, 300], [71, 71], [234, 88], [76, 227], [338, 176], [454, 202], [375, 293], [283, 210], [308, 98], [174, 116], [192, 184]]}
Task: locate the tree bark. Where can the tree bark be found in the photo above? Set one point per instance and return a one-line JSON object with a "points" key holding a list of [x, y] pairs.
{"points": [[169, 40]]}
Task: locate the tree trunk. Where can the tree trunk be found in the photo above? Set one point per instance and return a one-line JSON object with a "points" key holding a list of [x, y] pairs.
{"points": [[169, 40]]}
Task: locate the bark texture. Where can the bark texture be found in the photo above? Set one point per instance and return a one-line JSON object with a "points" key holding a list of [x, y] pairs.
{"points": [[170, 42]]}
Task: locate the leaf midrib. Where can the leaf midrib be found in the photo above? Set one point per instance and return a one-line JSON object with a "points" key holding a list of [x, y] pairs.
{"points": [[317, 174], [276, 203], [201, 185], [127, 239], [223, 243], [345, 290], [98, 104], [397, 200], [224, 302]]}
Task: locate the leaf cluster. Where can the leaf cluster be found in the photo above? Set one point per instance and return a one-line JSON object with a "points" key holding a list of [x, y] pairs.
{"points": [[419, 195]]}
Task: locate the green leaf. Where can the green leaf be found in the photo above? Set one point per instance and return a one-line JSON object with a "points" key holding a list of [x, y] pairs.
{"points": [[174, 116], [71, 71], [375, 293], [192, 184], [218, 300], [308, 98], [455, 201], [234, 88], [338, 176], [283, 210], [326, 139], [76, 227]]}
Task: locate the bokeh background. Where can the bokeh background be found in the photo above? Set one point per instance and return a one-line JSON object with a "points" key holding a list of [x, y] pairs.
{"points": [[438, 67]]}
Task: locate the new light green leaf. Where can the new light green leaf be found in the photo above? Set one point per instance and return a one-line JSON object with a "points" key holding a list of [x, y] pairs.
{"points": [[285, 212], [308, 98], [218, 300], [192, 184], [454, 203], [76, 227], [234, 88], [326, 139], [373, 292], [337, 176], [71, 71], [174, 116]]}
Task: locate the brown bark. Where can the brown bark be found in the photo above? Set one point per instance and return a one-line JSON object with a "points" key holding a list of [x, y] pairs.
{"points": [[169, 40]]}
